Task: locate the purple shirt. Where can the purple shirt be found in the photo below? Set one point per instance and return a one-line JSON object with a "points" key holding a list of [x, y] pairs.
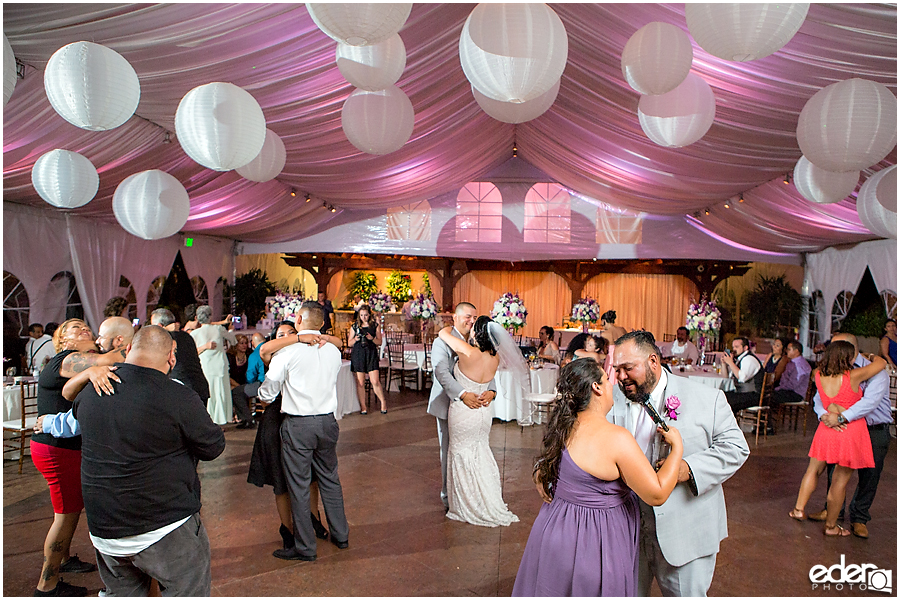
{"points": [[796, 376]]}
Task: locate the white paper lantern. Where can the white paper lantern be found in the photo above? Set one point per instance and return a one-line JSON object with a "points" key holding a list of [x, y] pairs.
{"points": [[821, 186], [269, 163], [91, 86], [359, 24], [378, 122], [873, 215], [657, 58], [372, 67], [886, 192], [848, 126], [680, 117], [151, 205], [220, 125], [65, 179], [9, 70], [508, 112], [742, 32], [513, 52]]}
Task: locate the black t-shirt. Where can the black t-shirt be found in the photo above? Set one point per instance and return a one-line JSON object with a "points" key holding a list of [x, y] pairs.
{"points": [[187, 368], [50, 401]]}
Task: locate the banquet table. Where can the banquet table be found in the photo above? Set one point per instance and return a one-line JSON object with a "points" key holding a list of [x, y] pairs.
{"points": [[347, 398], [710, 378], [510, 403]]}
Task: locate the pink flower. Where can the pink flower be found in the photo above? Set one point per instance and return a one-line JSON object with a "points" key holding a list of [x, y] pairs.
{"points": [[672, 405]]}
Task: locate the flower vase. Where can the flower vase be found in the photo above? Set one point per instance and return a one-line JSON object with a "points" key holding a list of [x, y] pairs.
{"points": [[585, 327], [701, 348]]}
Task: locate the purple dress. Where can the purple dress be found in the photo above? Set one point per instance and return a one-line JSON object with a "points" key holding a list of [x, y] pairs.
{"points": [[585, 542]]}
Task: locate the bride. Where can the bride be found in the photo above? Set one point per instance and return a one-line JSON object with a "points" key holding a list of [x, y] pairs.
{"points": [[473, 479]]}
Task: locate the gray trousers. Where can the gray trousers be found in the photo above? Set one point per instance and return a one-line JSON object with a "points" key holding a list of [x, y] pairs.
{"points": [[444, 439], [307, 444], [240, 399], [179, 562], [690, 579]]}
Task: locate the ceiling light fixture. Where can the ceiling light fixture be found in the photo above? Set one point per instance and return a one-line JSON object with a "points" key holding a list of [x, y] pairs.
{"points": [[706, 211], [167, 139], [308, 198], [293, 192], [741, 197], [787, 179], [727, 205], [333, 209]]}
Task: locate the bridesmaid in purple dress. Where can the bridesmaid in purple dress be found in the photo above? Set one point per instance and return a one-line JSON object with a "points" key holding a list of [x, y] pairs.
{"points": [[584, 541]]}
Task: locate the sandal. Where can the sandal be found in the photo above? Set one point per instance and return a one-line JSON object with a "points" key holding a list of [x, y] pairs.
{"points": [[799, 515], [841, 532]]}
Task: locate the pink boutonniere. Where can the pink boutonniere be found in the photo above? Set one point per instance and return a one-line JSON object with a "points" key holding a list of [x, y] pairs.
{"points": [[672, 405]]}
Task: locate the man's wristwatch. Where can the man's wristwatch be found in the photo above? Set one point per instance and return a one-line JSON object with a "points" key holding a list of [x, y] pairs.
{"points": [[842, 420]]}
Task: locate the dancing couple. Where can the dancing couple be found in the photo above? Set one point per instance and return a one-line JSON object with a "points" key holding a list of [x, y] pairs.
{"points": [[466, 358]]}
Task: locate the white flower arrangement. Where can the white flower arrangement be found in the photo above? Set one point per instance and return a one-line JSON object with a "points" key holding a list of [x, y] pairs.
{"points": [[586, 310], [703, 316], [509, 311], [285, 306], [380, 302], [423, 307]]}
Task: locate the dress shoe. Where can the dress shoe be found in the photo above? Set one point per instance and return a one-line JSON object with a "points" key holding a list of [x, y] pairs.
{"points": [[342, 545], [246, 425], [76, 565], [287, 537], [817, 516], [320, 530], [292, 554], [860, 530]]}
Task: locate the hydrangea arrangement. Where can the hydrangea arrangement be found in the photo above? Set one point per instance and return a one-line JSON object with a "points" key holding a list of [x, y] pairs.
{"points": [[423, 307], [509, 311], [285, 306], [380, 302], [703, 316], [586, 310]]}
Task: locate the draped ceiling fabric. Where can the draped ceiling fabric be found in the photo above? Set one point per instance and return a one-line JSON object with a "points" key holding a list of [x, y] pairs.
{"points": [[590, 141]]}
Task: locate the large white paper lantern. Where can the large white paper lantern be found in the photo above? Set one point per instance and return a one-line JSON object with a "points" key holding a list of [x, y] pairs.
{"points": [[886, 192], [65, 179], [873, 215], [374, 67], [220, 125], [151, 205], [91, 86], [378, 122], [513, 52], [821, 186], [9, 70], [657, 58], [849, 125], [742, 32], [509, 112], [359, 24], [269, 163], [680, 117]]}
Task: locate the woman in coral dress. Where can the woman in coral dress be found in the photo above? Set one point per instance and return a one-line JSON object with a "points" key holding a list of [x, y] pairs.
{"points": [[848, 448]]}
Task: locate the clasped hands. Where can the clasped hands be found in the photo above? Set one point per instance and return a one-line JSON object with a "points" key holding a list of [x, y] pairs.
{"points": [[831, 417], [472, 400]]}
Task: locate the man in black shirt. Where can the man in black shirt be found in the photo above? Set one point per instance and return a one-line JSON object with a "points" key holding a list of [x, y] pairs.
{"points": [[140, 447], [187, 367], [327, 310]]}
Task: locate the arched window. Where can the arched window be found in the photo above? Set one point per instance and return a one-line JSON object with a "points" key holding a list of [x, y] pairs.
{"points": [[154, 293], [201, 294], [220, 298], [479, 213], [410, 222], [548, 218], [69, 290], [889, 297], [15, 304], [126, 290], [616, 226], [840, 308], [816, 311]]}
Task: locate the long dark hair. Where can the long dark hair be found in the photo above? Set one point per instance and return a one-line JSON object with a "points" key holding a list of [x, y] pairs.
{"points": [[482, 337], [577, 342], [837, 359], [573, 396]]}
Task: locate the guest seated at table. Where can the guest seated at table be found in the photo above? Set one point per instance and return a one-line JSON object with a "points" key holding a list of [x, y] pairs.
{"points": [[795, 379], [548, 350], [777, 361], [684, 349], [889, 343], [746, 370]]}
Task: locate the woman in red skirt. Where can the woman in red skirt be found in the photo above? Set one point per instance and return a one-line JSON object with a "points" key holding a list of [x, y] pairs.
{"points": [[848, 448]]}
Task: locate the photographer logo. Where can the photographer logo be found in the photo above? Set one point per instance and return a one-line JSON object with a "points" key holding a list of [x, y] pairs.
{"points": [[853, 577]]}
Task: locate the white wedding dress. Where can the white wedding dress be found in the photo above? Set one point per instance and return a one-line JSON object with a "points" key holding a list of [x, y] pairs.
{"points": [[473, 479]]}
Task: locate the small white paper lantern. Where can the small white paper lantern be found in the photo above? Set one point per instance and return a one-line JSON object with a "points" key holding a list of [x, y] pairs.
{"points": [[680, 117], [508, 112], [378, 122], [873, 215], [742, 32], [269, 163], [91, 86], [848, 126], [513, 52], [151, 205], [886, 193], [220, 125], [65, 179], [821, 186], [374, 67], [657, 58], [9, 70], [359, 24]]}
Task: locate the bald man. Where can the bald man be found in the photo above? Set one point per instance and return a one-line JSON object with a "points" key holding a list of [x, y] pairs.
{"points": [[157, 533], [187, 366]]}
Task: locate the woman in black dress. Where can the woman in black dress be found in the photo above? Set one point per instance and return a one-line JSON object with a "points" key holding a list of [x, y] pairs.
{"points": [[364, 340]]}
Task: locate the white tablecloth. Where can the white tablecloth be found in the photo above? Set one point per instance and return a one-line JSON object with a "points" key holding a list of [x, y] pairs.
{"points": [[11, 402], [347, 399], [510, 403], [712, 379]]}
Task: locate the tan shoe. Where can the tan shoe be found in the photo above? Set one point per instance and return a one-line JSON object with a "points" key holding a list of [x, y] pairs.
{"points": [[860, 530], [817, 516]]}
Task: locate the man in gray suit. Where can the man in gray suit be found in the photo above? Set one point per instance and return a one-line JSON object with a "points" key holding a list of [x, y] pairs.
{"points": [[680, 539], [445, 388]]}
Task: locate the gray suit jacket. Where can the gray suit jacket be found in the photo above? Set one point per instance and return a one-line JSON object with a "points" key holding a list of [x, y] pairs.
{"points": [[689, 526], [444, 387]]}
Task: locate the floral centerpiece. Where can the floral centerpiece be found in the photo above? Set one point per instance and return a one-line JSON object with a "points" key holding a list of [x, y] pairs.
{"points": [[510, 312], [285, 306], [587, 311], [703, 321], [423, 308], [380, 302]]}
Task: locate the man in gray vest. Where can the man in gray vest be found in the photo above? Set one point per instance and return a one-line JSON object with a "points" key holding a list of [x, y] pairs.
{"points": [[747, 372]]}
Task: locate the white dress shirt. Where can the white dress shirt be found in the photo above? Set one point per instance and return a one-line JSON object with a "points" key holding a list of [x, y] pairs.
{"points": [[306, 376], [39, 351], [688, 351], [749, 366], [644, 429]]}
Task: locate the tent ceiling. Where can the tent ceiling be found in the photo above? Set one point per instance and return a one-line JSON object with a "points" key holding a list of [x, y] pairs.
{"points": [[589, 141]]}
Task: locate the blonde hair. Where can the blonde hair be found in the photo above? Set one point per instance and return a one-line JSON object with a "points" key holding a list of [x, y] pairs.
{"points": [[60, 331]]}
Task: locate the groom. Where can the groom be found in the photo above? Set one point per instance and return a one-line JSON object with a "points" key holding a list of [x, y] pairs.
{"points": [[446, 389], [680, 539]]}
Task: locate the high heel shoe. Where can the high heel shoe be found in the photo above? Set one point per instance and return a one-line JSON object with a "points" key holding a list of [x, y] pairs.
{"points": [[321, 532], [286, 536]]}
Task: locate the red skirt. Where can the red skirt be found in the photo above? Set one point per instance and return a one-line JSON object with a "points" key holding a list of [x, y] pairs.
{"points": [[849, 448], [61, 468]]}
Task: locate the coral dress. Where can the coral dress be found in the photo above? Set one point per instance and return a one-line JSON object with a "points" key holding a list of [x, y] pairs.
{"points": [[849, 448]]}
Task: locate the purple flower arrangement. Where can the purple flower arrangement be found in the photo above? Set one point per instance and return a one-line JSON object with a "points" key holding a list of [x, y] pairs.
{"points": [[586, 310], [509, 311]]}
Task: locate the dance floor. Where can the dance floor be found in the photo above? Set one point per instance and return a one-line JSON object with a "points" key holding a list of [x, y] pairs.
{"points": [[402, 545]]}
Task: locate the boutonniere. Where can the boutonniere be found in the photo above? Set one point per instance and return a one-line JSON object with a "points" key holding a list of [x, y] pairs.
{"points": [[672, 405]]}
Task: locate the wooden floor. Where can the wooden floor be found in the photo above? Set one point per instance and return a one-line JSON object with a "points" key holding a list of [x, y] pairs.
{"points": [[402, 545]]}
